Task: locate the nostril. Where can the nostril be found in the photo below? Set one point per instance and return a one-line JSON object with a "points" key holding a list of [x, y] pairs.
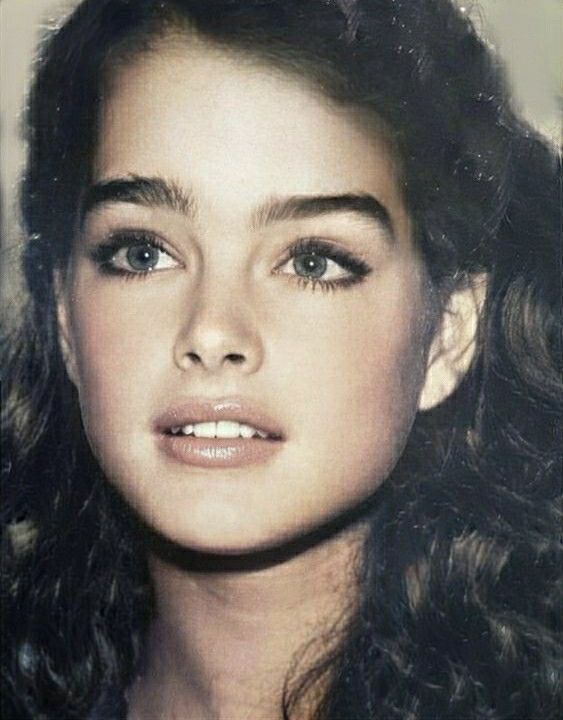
{"points": [[197, 359], [194, 356], [235, 358]]}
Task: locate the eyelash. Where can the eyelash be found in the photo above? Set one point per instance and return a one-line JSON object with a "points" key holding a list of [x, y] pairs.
{"points": [[104, 255], [314, 246]]}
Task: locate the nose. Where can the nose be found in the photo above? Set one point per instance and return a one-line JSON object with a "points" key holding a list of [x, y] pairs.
{"points": [[219, 332]]}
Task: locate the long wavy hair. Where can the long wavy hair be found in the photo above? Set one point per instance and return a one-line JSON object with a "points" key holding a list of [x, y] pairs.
{"points": [[459, 613]]}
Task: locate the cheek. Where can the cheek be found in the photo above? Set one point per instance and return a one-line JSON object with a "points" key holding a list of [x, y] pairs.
{"points": [[119, 349], [357, 374]]}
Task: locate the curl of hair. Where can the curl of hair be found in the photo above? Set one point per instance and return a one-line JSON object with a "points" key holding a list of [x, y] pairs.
{"points": [[461, 590]]}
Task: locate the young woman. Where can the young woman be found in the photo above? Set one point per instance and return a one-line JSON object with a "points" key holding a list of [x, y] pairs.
{"points": [[282, 415]]}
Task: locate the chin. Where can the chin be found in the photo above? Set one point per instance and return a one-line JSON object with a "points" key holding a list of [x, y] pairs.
{"points": [[217, 537], [218, 544]]}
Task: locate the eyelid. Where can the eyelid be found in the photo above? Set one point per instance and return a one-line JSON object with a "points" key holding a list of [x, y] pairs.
{"points": [[354, 264], [105, 252]]}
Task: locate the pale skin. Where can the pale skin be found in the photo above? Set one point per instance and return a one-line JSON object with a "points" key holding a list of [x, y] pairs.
{"points": [[343, 372]]}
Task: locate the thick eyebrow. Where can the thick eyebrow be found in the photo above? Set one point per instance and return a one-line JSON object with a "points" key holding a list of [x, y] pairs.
{"points": [[309, 206], [159, 192], [139, 190]]}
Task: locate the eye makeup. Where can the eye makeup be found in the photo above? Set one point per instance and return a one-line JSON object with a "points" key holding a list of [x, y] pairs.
{"points": [[139, 253], [317, 249], [132, 254]]}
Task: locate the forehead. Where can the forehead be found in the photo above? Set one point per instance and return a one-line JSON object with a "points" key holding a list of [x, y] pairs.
{"points": [[228, 125]]}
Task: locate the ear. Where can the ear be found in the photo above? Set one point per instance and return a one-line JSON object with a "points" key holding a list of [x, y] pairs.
{"points": [[453, 347], [64, 327]]}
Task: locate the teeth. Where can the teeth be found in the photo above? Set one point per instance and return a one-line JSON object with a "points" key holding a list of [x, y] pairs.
{"points": [[228, 429], [205, 430], [221, 429], [246, 431]]}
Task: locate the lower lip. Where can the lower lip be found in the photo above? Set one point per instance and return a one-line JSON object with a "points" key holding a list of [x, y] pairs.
{"points": [[219, 452]]}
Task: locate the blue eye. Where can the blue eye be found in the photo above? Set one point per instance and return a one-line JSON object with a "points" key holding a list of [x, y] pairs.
{"points": [[317, 263], [133, 254], [142, 258], [310, 265]]}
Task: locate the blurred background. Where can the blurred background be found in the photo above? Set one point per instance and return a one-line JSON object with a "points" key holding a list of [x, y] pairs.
{"points": [[527, 33]]}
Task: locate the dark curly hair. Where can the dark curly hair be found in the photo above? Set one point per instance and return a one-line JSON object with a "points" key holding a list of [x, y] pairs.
{"points": [[460, 608]]}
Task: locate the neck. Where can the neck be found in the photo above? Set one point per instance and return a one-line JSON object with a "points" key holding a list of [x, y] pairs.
{"points": [[227, 632]]}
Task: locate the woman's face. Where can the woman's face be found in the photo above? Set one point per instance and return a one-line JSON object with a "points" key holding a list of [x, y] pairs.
{"points": [[245, 256]]}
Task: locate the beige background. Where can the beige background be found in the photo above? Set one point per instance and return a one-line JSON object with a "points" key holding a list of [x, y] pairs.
{"points": [[528, 34]]}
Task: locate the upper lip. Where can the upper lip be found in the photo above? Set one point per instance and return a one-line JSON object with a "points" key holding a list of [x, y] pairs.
{"points": [[199, 409]]}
